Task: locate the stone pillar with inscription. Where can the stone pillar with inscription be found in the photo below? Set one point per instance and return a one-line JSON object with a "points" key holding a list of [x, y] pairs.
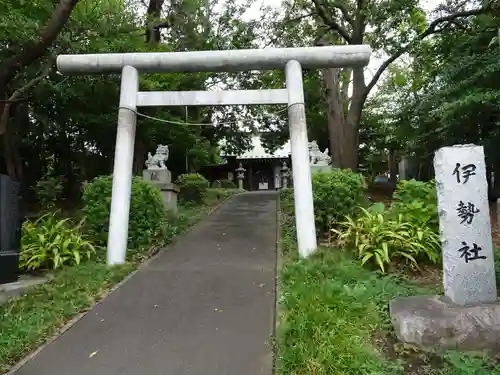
{"points": [[158, 174], [468, 315], [465, 225]]}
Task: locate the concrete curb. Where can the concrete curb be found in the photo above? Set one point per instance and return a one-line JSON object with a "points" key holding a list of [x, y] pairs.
{"points": [[102, 297]]}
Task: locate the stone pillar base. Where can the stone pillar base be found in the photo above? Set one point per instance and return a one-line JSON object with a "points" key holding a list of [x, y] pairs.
{"points": [[434, 323], [157, 175], [169, 192]]}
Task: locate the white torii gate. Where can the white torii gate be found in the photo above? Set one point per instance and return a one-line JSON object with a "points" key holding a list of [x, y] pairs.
{"points": [[290, 59]]}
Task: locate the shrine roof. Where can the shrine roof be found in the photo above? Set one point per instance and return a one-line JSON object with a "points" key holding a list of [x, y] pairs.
{"points": [[257, 151]]}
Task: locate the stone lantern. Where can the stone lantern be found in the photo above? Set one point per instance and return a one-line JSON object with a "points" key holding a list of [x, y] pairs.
{"points": [[285, 174], [240, 175]]}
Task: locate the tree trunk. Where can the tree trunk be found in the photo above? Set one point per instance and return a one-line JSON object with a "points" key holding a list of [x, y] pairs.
{"points": [[342, 131], [139, 157], [495, 184], [351, 129], [350, 144], [82, 161], [343, 119], [393, 167], [153, 38], [10, 139], [153, 33], [335, 116]]}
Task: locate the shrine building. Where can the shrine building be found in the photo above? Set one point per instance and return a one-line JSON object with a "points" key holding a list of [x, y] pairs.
{"points": [[261, 169]]}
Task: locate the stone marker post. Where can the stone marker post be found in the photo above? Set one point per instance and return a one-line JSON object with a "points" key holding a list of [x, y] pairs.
{"points": [[468, 316], [240, 176], [464, 220], [285, 173]]}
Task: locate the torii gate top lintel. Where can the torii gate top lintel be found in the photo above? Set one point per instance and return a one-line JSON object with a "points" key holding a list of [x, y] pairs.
{"points": [[216, 61]]}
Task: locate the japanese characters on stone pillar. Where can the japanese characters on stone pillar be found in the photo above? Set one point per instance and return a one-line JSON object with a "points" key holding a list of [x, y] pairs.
{"points": [[464, 220], [240, 176]]}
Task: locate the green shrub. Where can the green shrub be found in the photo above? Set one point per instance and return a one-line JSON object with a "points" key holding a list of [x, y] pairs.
{"points": [[336, 195], [227, 184], [214, 194], [287, 222], [50, 187], [48, 191], [147, 211], [377, 238], [416, 201], [408, 191], [287, 201], [193, 187], [50, 243]]}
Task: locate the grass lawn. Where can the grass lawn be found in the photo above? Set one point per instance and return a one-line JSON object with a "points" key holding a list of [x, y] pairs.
{"points": [[334, 320], [27, 322]]}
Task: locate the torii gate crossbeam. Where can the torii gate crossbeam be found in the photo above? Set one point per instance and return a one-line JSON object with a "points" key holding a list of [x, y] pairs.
{"points": [[290, 59]]}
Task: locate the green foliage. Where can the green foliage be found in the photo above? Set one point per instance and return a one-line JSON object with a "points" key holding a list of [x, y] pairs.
{"points": [[49, 188], [52, 118], [384, 241], [50, 243], [147, 211], [287, 222], [451, 94], [287, 201], [408, 191], [331, 309], [336, 194], [334, 320], [223, 184], [416, 202], [468, 364], [193, 187], [49, 191], [227, 184]]}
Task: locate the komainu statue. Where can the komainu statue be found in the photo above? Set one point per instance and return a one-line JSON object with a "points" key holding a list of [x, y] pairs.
{"points": [[158, 160]]}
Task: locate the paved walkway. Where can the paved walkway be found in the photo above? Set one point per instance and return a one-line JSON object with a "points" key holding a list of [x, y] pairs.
{"points": [[203, 307]]}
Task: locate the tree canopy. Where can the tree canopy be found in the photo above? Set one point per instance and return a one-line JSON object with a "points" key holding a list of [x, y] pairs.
{"points": [[437, 83]]}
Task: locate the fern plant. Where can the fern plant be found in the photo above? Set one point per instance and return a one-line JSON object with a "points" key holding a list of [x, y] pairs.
{"points": [[50, 243]]}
